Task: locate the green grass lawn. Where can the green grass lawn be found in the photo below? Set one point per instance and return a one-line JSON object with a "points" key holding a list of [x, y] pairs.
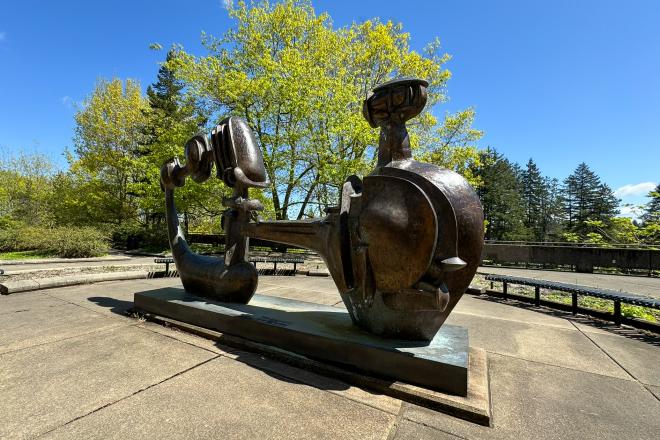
{"points": [[589, 302], [23, 255]]}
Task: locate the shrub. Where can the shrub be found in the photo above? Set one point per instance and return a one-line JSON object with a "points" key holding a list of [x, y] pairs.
{"points": [[69, 242], [77, 242]]}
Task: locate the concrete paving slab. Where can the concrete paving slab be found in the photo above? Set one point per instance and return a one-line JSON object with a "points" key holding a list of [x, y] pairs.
{"points": [[375, 400], [227, 399], [640, 358], [546, 344], [302, 282], [43, 325], [47, 386], [302, 295], [530, 399], [112, 298], [163, 282], [27, 302], [407, 430], [474, 407], [485, 306], [589, 325], [655, 390], [189, 338], [536, 401]]}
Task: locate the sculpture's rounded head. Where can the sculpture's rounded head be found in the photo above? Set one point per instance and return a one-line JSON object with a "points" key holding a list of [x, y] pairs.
{"points": [[238, 158], [398, 101]]}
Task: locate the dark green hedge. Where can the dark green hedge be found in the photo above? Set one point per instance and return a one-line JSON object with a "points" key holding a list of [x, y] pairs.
{"points": [[66, 242]]}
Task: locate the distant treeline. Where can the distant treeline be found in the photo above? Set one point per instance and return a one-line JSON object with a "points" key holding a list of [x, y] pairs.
{"points": [[520, 204]]}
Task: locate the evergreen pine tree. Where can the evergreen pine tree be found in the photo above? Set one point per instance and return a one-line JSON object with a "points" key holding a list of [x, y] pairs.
{"points": [[172, 121], [536, 199], [652, 208], [164, 95], [500, 197], [587, 198]]}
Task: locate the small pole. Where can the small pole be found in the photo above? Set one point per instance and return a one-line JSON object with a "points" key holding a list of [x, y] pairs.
{"points": [[504, 288], [617, 312], [575, 303], [537, 295]]}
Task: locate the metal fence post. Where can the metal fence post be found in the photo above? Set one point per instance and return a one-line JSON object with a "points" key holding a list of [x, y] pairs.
{"points": [[575, 303], [537, 296], [617, 312]]}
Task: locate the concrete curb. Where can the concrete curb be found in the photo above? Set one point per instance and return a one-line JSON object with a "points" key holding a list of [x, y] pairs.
{"points": [[20, 271], [61, 260], [47, 283]]}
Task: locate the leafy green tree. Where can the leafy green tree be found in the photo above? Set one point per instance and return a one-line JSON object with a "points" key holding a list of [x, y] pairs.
{"points": [[453, 145], [110, 128], [25, 189], [500, 196], [299, 82]]}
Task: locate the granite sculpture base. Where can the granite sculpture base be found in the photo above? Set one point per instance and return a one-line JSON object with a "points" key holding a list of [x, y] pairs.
{"points": [[325, 333]]}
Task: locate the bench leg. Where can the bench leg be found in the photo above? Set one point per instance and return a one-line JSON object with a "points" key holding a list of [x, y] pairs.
{"points": [[167, 268], [617, 312], [574, 303], [295, 268], [275, 267], [504, 288], [537, 296]]}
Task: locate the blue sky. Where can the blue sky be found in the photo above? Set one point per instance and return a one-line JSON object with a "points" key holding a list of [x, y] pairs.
{"points": [[558, 81]]}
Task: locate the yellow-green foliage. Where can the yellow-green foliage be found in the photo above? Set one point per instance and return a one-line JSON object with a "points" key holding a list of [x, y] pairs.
{"points": [[299, 82]]}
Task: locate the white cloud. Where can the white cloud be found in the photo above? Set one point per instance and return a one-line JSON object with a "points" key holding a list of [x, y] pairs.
{"points": [[3, 36], [632, 211], [638, 189], [227, 3]]}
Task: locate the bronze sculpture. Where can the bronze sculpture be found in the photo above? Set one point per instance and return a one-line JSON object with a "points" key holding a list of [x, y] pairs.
{"points": [[402, 245]]}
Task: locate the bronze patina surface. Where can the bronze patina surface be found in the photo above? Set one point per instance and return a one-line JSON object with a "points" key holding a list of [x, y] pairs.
{"points": [[402, 245]]}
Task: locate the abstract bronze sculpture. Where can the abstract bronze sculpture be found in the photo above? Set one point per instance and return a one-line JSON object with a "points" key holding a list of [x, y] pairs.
{"points": [[402, 245]]}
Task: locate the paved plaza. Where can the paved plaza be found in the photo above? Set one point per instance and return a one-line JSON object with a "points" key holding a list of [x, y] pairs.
{"points": [[73, 365]]}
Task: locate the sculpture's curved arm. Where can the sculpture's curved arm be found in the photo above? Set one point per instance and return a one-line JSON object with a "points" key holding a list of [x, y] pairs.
{"points": [[232, 278], [205, 275]]}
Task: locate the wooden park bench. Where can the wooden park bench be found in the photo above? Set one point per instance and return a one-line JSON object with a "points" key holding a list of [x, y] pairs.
{"points": [[576, 290], [254, 260]]}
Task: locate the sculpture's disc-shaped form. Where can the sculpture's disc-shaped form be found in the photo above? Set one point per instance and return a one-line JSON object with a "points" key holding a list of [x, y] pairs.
{"points": [[247, 153], [400, 227]]}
